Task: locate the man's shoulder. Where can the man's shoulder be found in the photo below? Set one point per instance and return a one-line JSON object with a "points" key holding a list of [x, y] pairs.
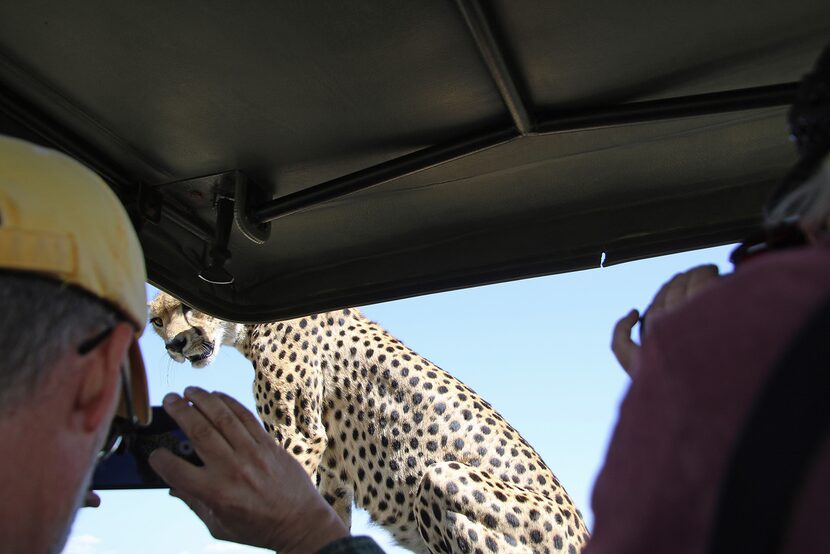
{"points": [[766, 300]]}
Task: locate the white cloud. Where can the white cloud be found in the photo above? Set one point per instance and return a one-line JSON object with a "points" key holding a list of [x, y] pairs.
{"points": [[83, 544]]}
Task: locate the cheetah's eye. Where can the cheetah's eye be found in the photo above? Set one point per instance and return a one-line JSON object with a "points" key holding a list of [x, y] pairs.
{"points": [[157, 322]]}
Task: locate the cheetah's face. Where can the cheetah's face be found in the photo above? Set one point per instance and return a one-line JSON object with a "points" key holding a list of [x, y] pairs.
{"points": [[187, 333]]}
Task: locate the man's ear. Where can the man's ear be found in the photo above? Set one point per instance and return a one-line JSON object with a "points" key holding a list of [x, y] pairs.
{"points": [[99, 385]]}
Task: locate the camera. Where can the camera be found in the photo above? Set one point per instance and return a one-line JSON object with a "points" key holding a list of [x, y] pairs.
{"points": [[127, 467]]}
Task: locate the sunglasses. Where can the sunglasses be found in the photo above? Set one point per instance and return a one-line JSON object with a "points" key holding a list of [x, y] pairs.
{"points": [[121, 427]]}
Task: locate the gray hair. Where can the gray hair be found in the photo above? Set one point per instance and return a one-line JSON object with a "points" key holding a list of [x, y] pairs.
{"points": [[809, 203], [40, 321]]}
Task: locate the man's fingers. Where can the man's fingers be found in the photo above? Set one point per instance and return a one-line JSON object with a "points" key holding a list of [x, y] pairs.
{"points": [[179, 474], [203, 435], [624, 348], [701, 277], [659, 300], [192, 502], [675, 291], [685, 285], [225, 420], [247, 419], [203, 506], [680, 289]]}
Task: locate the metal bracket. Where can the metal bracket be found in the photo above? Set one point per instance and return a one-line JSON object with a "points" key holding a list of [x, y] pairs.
{"points": [[249, 196], [227, 197], [215, 273], [150, 203]]}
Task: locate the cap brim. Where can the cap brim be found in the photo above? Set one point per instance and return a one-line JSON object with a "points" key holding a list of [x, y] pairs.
{"points": [[138, 389]]}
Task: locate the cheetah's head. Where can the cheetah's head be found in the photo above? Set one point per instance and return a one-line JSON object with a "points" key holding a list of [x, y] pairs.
{"points": [[187, 333]]}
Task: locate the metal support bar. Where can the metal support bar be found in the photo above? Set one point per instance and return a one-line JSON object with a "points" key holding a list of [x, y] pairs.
{"points": [[377, 175], [638, 112], [501, 72], [247, 194], [670, 108]]}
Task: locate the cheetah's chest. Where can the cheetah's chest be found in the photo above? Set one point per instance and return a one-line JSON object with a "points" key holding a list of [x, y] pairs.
{"points": [[382, 447]]}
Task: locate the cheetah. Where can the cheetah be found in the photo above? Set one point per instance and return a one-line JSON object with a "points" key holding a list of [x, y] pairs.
{"points": [[377, 425]]}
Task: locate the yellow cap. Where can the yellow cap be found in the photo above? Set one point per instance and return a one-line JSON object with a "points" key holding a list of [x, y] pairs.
{"points": [[59, 219]]}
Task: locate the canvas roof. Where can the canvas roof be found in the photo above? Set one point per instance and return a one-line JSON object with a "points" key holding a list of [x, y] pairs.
{"points": [[393, 148]]}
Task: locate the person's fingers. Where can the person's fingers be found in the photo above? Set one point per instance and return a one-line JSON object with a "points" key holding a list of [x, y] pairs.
{"points": [[675, 291], [700, 278], [198, 506], [222, 417], [247, 419], [204, 512], [659, 300], [178, 473], [205, 438], [624, 348], [679, 289]]}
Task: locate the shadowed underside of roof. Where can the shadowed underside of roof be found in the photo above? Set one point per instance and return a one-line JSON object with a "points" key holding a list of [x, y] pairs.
{"points": [[396, 148]]}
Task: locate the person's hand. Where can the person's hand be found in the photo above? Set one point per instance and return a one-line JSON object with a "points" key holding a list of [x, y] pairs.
{"points": [[676, 292], [624, 348], [250, 490]]}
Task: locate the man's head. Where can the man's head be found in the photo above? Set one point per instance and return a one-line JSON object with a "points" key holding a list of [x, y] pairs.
{"points": [[56, 403], [72, 294], [189, 334], [809, 203], [804, 195]]}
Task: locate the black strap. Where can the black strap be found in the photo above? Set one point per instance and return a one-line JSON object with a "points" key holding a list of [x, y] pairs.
{"points": [[778, 446]]}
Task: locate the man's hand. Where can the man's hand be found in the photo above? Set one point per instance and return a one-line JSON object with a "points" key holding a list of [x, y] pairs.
{"points": [[624, 348], [250, 490], [676, 292]]}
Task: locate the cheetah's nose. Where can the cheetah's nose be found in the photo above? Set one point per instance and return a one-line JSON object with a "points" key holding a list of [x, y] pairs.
{"points": [[176, 345]]}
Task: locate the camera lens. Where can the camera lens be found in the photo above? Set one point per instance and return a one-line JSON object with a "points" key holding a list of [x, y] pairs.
{"points": [[185, 448]]}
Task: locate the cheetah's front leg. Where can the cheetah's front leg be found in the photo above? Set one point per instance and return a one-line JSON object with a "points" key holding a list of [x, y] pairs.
{"points": [[339, 495], [291, 411], [462, 509]]}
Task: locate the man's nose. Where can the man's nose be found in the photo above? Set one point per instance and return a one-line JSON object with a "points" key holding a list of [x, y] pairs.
{"points": [[176, 344]]}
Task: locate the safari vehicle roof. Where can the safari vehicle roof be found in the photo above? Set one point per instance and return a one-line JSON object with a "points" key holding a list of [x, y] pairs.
{"points": [[377, 149]]}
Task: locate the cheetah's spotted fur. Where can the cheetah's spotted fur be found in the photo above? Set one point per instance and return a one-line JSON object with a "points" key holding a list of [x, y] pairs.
{"points": [[379, 425]]}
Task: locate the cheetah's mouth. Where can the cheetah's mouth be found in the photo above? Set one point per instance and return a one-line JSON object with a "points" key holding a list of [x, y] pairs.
{"points": [[205, 350]]}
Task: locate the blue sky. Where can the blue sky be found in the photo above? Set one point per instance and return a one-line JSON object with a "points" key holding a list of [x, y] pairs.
{"points": [[537, 349]]}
